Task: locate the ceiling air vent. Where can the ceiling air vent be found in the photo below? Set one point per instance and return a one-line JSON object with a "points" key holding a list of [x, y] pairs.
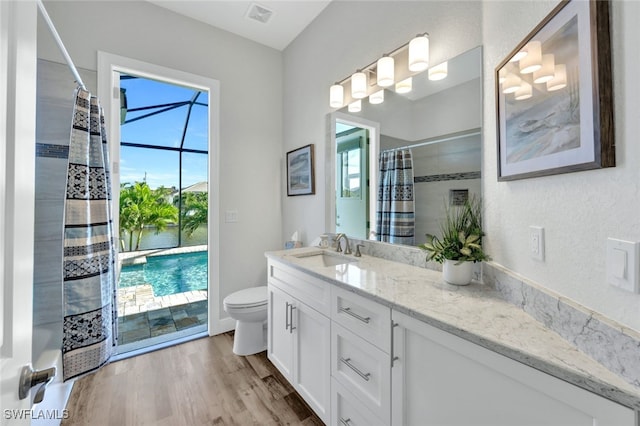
{"points": [[259, 13]]}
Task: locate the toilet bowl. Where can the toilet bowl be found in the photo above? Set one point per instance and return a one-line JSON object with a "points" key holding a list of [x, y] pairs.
{"points": [[249, 308]]}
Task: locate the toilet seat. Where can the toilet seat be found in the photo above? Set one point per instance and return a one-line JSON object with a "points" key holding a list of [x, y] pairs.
{"points": [[248, 298]]}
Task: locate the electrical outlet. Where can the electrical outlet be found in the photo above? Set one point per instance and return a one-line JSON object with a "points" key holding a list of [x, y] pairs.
{"points": [[536, 242]]}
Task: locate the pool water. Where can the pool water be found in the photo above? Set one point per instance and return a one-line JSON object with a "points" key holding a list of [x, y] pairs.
{"points": [[170, 274]]}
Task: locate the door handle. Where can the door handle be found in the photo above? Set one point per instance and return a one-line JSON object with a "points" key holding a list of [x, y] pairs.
{"points": [[30, 378]]}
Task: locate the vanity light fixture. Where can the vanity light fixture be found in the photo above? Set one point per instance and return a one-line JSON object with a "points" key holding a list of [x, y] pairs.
{"points": [[404, 86], [359, 83], [547, 71], [511, 83], [524, 92], [533, 61], [399, 64], [559, 80], [336, 96], [439, 72], [355, 106], [385, 71], [419, 53], [377, 97]]}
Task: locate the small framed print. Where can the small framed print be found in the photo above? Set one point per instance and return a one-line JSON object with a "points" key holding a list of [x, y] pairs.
{"points": [[300, 171]]}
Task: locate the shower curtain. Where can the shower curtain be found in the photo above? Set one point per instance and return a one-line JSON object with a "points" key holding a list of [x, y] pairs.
{"points": [[396, 213], [89, 293]]}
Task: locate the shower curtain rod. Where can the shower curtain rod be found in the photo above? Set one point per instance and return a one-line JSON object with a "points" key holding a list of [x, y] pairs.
{"points": [[58, 40], [439, 139]]}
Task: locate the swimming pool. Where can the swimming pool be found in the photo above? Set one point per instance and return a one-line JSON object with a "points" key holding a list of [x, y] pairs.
{"points": [[169, 274]]}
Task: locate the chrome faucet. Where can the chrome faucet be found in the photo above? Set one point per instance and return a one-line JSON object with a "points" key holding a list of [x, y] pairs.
{"points": [[347, 250]]}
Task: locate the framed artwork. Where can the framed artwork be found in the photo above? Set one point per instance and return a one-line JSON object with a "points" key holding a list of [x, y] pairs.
{"points": [[300, 171], [554, 96]]}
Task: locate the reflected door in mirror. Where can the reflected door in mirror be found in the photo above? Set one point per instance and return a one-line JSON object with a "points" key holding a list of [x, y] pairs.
{"points": [[352, 193]]}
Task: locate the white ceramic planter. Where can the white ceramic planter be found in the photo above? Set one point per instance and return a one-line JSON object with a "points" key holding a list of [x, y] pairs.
{"points": [[457, 274]]}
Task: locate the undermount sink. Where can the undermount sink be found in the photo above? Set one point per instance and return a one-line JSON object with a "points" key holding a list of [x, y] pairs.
{"points": [[323, 258]]}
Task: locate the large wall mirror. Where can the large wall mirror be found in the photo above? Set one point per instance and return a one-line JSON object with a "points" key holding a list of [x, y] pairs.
{"points": [[430, 140]]}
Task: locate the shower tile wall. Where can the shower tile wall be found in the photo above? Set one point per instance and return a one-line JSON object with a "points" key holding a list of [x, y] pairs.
{"points": [[438, 169], [53, 124]]}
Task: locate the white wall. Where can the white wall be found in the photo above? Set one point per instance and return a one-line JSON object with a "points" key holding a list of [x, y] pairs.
{"points": [[348, 35], [250, 78], [579, 211]]}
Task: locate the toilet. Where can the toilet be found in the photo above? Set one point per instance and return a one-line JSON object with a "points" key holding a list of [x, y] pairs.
{"points": [[249, 308]]}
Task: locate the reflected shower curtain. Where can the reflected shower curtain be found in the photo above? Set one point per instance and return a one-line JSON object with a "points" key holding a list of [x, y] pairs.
{"points": [[396, 212], [89, 293]]}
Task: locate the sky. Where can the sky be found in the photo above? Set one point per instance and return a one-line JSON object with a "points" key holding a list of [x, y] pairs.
{"points": [[160, 167]]}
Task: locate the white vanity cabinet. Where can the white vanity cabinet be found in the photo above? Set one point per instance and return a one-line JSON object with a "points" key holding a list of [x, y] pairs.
{"points": [[360, 361], [441, 379], [299, 336]]}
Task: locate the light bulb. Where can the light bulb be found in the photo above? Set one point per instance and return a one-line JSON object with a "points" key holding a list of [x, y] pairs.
{"points": [[377, 97], [336, 96], [524, 92], [502, 74], [521, 54], [547, 71], [355, 106], [438, 72], [559, 80], [419, 53], [533, 61], [404, 86], [385, 71], [511, 83], [359, 85]]}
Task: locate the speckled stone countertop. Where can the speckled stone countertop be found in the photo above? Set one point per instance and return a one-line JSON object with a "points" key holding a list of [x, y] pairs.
{"points": [[475, 312]]}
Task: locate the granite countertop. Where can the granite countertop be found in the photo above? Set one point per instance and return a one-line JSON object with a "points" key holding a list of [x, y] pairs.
{"points": [[475, 312]]}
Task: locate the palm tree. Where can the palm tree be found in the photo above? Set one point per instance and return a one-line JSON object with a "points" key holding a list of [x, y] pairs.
{"points": [[141, 206], [195, 210]]}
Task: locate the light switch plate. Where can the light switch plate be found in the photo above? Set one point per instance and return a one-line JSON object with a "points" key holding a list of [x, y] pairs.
{"points": [[231, 216], [623, 264]]}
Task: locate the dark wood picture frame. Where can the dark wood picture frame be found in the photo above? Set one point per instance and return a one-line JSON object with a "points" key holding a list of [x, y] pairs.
{"points": [[558, 129], [301, 171]]}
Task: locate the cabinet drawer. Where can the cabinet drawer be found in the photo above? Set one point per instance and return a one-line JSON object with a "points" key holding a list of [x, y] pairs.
{"points": [[346, 410], [363, 369], [309, 290], [366, 318]]}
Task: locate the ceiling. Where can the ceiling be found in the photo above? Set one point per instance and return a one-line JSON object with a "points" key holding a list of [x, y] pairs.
{"points": [[287, 20]]}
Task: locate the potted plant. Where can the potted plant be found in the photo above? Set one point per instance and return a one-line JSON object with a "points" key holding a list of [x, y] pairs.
{"points": [[460, 244]]}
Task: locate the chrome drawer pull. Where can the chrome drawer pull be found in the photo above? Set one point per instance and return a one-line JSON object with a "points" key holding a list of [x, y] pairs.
{"points": [[348, 311], [291, 327], [345, 422], [365, 376], [286, 317]]}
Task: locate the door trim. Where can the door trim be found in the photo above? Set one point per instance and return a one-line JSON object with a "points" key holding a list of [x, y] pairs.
{"points": [[109, 89]]}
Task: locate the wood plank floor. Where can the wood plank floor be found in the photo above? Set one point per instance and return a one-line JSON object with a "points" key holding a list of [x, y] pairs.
{"points": [[196, 383]]}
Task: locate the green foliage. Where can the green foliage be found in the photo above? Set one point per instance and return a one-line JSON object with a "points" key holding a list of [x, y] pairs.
{"points": [[142, 206], [195, 211], [461, 237]]}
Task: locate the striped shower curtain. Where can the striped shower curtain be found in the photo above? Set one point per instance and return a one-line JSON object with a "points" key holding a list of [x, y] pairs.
{"points": [[395, 208], [89, 294]]}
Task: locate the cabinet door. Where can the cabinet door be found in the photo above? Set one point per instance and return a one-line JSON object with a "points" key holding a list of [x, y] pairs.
{"points": [[441, 379], [312, 375], [280, 336]]}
